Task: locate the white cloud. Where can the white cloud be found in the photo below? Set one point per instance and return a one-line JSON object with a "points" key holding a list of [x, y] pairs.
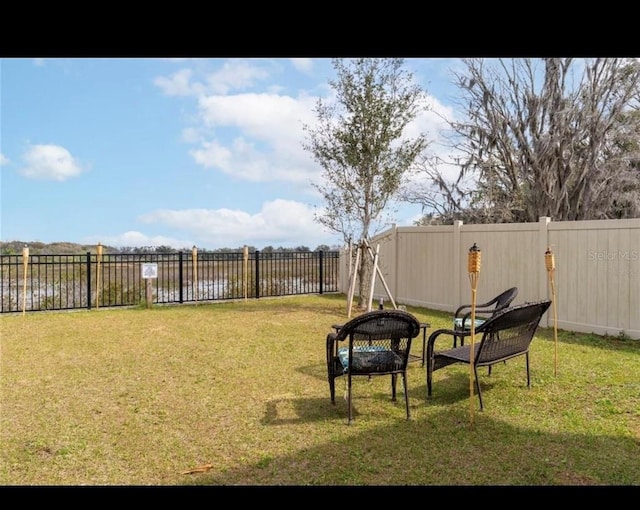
{"points": [[3, 159], [302, 64], [271, 145], [235, 75], [282, 222], [213, 154], [179, 84], [252, 136], [259, 137], [257, 114], [271, 148], [50, 162]]}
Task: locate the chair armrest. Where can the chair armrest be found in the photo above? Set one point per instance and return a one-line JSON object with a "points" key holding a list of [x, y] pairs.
{"points": [[331, 340], [467, 316], [483, 309], [331, 353], [439, 332], [487, 306], [460, 309]]}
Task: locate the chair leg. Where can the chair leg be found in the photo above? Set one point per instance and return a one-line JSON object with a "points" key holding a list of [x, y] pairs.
{"points": [[332, 389], [424, 346], [406, 394], [526, 356], [349, 398], [475, 373], [394, 381], [489, 367]]}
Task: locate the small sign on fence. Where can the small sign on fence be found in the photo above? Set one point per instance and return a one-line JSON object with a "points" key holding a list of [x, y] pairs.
{"points": [[149, 270]]}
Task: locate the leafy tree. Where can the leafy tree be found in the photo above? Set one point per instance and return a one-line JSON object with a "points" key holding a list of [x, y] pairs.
{"points": [[359, 143], [554, 137]]}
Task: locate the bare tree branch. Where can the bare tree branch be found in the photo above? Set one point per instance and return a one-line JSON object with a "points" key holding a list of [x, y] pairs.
{"points": [[547, 137]]}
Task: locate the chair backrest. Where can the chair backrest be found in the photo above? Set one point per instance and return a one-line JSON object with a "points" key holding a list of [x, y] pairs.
{"points": [[500, 302], [379, 341], [505, 299], [509, 332]]}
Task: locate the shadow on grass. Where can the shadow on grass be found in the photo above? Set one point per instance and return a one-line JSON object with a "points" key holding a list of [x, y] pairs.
{"points": [[453, 379], [317, 370], [286, 411], [438, 446], [441, 449]]}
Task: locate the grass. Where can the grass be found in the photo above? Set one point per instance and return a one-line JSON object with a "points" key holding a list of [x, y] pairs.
{"points": [[236, 393]]}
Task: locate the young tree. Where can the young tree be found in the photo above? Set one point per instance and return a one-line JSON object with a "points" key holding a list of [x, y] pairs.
{"points": [[551, 137], [359, 143]]}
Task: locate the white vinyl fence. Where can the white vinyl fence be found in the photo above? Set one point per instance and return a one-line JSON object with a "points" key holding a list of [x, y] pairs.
{"points": [[597, 275]]}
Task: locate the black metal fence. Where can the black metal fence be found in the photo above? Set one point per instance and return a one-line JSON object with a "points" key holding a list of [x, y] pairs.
{"points": [[64, 282]]}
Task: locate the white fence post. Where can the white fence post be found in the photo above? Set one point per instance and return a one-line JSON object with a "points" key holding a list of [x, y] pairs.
{"points": [[457, 267]]}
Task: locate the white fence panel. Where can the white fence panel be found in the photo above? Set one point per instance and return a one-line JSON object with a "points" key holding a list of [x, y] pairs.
{"points": [[597, 277]]}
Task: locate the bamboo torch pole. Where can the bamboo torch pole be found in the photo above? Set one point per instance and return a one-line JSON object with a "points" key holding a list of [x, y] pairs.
{"points": [[473, 266], [550, 263], [99, 259], [194, 261], [25, 263], [245, 255]]}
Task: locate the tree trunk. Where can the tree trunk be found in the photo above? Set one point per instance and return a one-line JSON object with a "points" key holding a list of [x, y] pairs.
{"points": [[364, 277]]}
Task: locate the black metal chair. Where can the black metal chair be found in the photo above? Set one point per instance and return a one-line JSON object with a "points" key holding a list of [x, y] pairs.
{"points": [[375, 343], [504, 336], [462, 317]]}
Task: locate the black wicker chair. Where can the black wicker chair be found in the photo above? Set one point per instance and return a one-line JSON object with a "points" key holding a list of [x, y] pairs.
{"points": [[505, 335], [375, 343], [462, 317]]}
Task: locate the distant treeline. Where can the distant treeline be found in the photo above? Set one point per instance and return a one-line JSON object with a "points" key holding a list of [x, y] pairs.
{"points": [[63, 248]]}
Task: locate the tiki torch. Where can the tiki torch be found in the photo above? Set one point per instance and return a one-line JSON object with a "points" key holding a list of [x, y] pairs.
{"points": [[194, 260], [473, 266], [550, 263], [25, 263], [99, 259]]}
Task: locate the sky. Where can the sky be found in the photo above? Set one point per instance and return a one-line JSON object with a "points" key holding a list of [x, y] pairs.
{"points": [[140, 152]]}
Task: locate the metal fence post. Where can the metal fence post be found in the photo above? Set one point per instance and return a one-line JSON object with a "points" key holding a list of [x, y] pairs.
{"points": [[180, 278], [321, 258]]}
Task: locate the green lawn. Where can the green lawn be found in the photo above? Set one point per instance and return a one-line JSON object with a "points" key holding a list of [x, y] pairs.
{"points": [[239, 389]]}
